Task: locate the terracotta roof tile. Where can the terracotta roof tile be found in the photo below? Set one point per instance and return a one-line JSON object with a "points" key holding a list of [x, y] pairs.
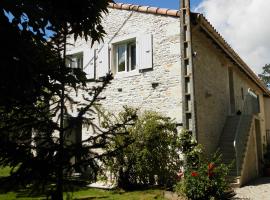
{"points": [[146, 9]]}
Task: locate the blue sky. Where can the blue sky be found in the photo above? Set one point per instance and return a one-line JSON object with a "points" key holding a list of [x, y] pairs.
{"points": [[173, 4]]}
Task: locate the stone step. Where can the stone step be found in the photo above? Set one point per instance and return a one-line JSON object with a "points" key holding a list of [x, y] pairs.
{"points": [[228, 157], [227, 150], [233, 173], [227, 138], [226, 144]]}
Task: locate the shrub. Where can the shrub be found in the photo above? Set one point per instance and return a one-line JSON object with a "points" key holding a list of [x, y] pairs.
{"points": [[153, 156], [203, 178]]}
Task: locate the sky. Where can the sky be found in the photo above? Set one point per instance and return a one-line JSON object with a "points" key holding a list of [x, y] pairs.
{"points": [[172, 4], [243, 24]]}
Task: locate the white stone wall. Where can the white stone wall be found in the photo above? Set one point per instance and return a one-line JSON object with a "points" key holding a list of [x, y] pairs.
{"points": [[135, 90], [212, 91]]}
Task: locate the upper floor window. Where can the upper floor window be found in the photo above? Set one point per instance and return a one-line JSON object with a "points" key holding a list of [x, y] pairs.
{"points": [[123, 56], [75, 61], [126, 56]]}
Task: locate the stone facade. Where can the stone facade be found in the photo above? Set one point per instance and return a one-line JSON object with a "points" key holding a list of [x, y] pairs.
{"points": [[212, 91], [220, 84], [157, 89]]}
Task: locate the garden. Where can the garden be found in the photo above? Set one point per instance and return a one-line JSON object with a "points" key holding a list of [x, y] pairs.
{"points": [[150, 165]]}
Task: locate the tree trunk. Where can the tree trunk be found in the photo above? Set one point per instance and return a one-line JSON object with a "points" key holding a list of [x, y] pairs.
{"points": [[59, 186]]}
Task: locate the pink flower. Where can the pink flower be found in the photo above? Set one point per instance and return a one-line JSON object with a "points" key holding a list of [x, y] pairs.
{"points": [[180, 174]]}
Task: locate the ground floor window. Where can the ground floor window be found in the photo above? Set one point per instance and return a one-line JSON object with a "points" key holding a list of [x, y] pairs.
{"points": [[75, 61]]}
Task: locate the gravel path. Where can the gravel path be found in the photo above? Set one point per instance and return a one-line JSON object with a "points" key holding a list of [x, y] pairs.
{"points": [[258, 189]]}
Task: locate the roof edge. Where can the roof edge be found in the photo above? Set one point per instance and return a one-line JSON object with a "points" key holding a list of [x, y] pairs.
{"points": [[145, 9], [209, 29], [229, 50]]}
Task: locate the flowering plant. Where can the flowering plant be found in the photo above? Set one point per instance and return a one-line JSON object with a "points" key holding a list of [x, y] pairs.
{"points": [[194, 174], [203, 178], [211, 167]]}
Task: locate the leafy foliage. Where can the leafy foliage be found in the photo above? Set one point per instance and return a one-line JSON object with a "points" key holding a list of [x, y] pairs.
{"points": [[82, 18], [152, 158], [203, 178], [265, 75], [37, 91]]}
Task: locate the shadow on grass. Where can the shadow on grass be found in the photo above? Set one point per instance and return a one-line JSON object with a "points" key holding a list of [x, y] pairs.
{"points": [[90, 198], [9, 184], [76, 189]]}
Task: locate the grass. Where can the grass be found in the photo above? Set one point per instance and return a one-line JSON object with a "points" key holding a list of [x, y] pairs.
{"points": [[91, 194], [84, 193], [119, 195], [5, 171]]}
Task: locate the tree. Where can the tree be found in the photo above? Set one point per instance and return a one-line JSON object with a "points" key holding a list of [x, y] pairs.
{"points": [[152, 157], [35, 91], [265, 75]]}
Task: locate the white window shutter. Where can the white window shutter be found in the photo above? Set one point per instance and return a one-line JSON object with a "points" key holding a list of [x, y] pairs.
{"points": [[145, 52], [89, 63], [102, 67]]}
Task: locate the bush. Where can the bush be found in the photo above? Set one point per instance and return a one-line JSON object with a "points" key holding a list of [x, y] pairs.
{"points": [[152, 157], [203, 178]]}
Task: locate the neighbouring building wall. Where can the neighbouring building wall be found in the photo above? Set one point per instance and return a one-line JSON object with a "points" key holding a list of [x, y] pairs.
{"points": [[220, 90], [211, 91], [267, 118], [250, 165], [242, 84], [158, 88]]}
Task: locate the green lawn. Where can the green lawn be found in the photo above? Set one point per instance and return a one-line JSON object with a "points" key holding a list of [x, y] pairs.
{"points": [[96, 194], [86, 194], [5, 171]]}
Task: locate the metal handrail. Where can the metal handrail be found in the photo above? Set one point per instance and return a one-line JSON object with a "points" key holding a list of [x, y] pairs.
{"points": [[249, 109]]}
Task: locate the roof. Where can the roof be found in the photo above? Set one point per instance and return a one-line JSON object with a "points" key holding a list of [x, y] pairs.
{"points": [[208, 28], [145, 9]]}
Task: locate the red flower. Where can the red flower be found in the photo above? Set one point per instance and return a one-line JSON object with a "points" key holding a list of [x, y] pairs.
{"points": [[211, 167], [194, 174]]}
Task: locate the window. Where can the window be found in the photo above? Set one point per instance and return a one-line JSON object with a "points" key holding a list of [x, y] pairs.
{"points": [[75, 61], [126, 56], [73, 135]]}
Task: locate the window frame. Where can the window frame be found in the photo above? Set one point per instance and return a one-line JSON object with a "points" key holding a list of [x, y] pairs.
{"points": [[128, 55], [75, 61], [113, 62]]}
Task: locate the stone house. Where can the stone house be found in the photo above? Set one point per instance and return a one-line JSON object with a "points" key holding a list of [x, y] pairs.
{"points": [[177, 64]]}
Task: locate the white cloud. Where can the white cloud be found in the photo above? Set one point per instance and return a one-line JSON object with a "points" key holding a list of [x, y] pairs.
{"points": [[245, 26]]}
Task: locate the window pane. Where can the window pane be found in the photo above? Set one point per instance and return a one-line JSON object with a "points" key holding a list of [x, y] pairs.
{"points": [[74, 63], [80, 62], [68, 62], [133, 56], [121, 58]]}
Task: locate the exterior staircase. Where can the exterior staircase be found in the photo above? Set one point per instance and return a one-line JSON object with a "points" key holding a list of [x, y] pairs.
{"points": [[236, 128]]}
